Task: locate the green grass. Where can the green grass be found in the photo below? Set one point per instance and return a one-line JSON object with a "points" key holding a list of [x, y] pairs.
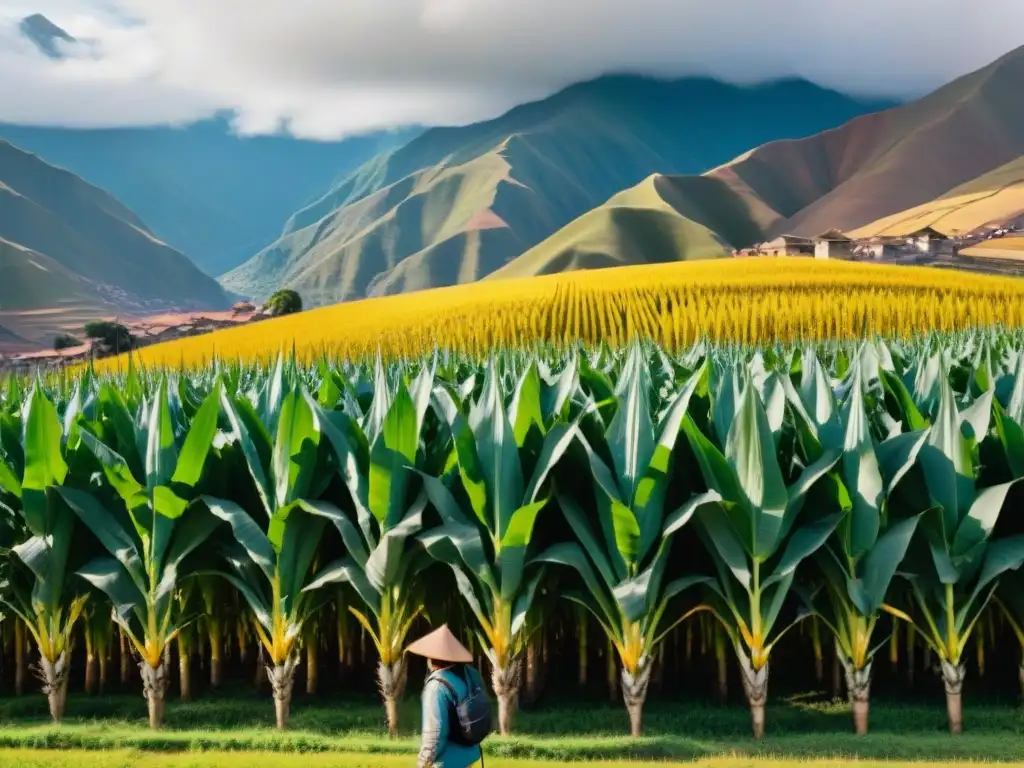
{"points": [[568, 731], [128, 759]]}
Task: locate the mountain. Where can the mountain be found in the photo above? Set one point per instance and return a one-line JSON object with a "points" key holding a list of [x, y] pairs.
{"points": [[664, 218], [66, 244], [879, 164], [992, 198], [455, 204], [952, 159], [213, 195], [46, 35]]}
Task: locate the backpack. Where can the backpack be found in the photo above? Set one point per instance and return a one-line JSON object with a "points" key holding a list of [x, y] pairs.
{"points": [[471, 721]]}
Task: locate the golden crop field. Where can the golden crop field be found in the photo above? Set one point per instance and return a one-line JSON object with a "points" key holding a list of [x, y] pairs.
{"points": [[740, 300]]}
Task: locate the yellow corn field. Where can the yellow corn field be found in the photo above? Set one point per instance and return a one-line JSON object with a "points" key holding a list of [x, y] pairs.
{"points": [[736, 300]]}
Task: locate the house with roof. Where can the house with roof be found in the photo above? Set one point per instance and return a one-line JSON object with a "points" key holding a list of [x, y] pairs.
{"points": [[929, 240], [787, 245], [833, 245], [879, 248]]}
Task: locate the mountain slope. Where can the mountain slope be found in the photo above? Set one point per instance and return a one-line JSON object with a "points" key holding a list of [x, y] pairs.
{"points": [[63, 240], [664, 218], [29, 280], [458, 203], [993, 197], [215, 196], [879, 164], [952, 160]]}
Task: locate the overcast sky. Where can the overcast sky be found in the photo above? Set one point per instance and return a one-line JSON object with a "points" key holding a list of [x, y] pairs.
{"points": [[327, 68]]}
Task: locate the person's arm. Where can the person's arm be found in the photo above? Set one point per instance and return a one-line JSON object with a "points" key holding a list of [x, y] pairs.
{"points": [[435, 724]]}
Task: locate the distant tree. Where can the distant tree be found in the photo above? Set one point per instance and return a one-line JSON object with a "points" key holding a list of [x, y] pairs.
{"points": [[114, 336], [66, 341], [284, 302]]}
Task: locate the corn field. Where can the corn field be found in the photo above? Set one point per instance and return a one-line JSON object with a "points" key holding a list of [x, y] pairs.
{"points": [[654, 508], [749, 301]]}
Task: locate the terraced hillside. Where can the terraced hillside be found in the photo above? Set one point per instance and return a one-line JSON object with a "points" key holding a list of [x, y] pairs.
{"points": [[993, 197]]}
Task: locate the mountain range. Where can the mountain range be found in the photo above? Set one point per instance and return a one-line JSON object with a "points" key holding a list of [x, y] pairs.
{"points": [[214, 195], [619, 170], [952, 160], [67, 247], [455, 204]]}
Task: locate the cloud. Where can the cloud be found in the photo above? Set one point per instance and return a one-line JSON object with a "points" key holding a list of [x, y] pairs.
{"points": [[324, 68]]}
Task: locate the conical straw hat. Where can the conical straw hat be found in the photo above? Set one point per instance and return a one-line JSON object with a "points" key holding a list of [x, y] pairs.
{"points": [[441, 645]]}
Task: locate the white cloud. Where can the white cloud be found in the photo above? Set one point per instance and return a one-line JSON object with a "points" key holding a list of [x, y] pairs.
{"points": [[324, 68]]}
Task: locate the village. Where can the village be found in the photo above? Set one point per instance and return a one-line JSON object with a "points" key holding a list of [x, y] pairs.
{"points": [[995, 248]]}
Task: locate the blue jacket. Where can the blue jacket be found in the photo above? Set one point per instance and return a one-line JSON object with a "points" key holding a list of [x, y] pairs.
{"points": [[437, 750]]}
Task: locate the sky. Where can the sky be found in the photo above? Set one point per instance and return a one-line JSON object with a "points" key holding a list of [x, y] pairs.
{"points": [[325, 69]]}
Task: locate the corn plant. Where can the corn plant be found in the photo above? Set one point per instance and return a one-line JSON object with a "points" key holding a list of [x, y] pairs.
{"points": [[860, 559], [378, 521], [43, 591], [147, 521], [487, 529], [623, 569], [275, 545], [959, 578], [557, 472], [752, 533]]}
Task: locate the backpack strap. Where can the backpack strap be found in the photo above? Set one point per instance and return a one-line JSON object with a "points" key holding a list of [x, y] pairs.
{"points": [[453, 706], [448, 687]]}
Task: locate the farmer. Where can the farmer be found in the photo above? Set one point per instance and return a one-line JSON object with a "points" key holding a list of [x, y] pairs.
{"points": [[456, 711]]}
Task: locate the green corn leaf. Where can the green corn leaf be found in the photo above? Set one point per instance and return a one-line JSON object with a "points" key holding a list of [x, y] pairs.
{"points": [[631, 434], [109, 576], [246, 532], [862, 476], [391, 456], [512, 556], [346, 571], [470, 470], [384, 560], [897, 455], [803, 543], [1002, 556], [199, 440], [295, 450], [581, 527], [498, 454], [109, 532], [1011, 435], [354, 543], [161, 451], [571, 555], [727, 547], [908, 409], [44, 461], [240, 426], [525, 409], [880, 564], [750, 451], [946, 462]]}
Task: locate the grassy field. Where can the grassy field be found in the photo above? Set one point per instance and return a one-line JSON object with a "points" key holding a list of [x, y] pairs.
{"points": [[745, 300], [798, 730], [130, 759]]}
